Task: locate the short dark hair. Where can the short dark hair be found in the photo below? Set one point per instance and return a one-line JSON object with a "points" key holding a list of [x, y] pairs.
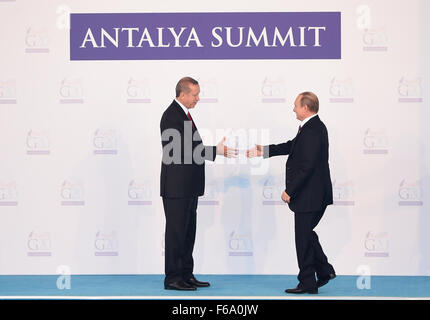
{"points": [[184, 85], [311, 100]]}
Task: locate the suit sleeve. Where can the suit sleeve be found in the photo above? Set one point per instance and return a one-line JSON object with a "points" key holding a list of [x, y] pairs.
{"points": [[174, 137], [173, 140], [308, 160], [281, 149], [210, 153]]}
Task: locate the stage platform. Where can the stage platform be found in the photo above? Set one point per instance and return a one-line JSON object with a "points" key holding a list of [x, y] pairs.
{"points": [[254, 287]]}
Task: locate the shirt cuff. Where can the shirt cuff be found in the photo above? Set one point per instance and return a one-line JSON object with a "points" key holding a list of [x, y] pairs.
{"points": [[266, 152]]}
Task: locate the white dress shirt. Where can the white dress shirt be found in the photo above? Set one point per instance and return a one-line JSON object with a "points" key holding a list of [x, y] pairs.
{"points": [[307, 119], [183, 107]]}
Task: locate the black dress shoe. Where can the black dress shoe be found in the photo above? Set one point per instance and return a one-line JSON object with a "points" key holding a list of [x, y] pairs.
{"points": [[299, 290], [187, 284], [179, 285], [323, 281], [196, 283]]}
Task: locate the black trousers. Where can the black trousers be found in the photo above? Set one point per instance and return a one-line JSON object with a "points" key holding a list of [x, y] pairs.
{"points": [[310, 255], [181, 216]]}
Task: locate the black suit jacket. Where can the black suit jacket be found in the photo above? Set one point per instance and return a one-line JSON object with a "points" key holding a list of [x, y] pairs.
{"points": [[184, 155], [307, 178]]}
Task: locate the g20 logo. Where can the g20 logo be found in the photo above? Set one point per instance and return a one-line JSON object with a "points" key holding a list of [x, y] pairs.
{"points": [[376, 244], [106, 244], [138, 191], [39, 244], [37, 142], [71, 91], [410, 193], [138, 91], [375, 37], [36, 38], [273, 90], [375, 142], [240, 245], [341, 88], [410, 90], [105, 141]]}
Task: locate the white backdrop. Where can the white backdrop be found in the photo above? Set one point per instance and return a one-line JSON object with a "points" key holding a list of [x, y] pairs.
{"points": [[80, 145]]}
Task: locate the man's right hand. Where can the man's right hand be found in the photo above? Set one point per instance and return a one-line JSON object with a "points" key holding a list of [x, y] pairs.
{"points": [[227, 152], [257, 151]]}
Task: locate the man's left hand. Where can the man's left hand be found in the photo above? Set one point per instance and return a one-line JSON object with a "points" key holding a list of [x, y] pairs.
{"points": [[285, 197]]}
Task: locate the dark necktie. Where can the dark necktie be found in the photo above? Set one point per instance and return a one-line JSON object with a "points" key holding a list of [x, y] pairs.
{"points": [[300, 129]]}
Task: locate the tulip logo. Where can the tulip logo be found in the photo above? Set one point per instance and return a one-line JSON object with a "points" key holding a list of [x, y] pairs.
{"points": [[72, 193], [37, 143], [341, 91], [375, 39], [8, 92], [272, 190], [273, 91], [240, 245], [104, 141], [410, 90], [138, 91], [39, 244], [376, 244], [375, 142], [8, 194], [139, 194], [36, 40], [410, 193], [106, 244], [343, 193], [71, 91]]}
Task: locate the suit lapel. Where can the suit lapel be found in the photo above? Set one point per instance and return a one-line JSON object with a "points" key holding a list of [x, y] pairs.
{"points": [[180, 111], [294, 143], [184, 117], [305, 127]]}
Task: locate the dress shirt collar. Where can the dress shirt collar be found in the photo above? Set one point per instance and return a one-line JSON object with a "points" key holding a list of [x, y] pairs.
{"points": [[307, 119], [182, 106]]}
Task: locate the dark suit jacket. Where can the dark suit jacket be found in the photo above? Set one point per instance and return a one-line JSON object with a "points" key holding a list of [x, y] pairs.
{"points": [[183, 165], [307, 178]]}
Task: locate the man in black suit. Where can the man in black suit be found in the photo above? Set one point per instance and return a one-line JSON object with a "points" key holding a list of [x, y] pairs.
{"points": [[182, 181], [308, 190]]}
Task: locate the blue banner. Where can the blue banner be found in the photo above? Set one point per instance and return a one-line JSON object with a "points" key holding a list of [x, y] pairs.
{"points": [[178, 36]]}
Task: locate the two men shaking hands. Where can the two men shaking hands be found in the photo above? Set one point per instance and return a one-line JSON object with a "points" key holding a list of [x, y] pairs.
{"points": [[308, 188]]}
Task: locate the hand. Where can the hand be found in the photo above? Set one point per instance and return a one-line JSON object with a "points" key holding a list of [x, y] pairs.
{"points": [[285, 197], [257, 151], [227, 152]]}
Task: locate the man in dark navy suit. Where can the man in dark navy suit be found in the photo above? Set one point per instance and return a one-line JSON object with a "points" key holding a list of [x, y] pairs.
{"points": [[182, 181], [308, 190]]}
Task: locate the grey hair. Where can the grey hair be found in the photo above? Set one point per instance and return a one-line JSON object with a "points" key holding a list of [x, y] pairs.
{"points": [[184, 85]]}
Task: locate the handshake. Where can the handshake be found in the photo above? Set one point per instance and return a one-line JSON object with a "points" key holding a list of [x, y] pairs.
{"points": [[257, 151], [229, 152]]}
